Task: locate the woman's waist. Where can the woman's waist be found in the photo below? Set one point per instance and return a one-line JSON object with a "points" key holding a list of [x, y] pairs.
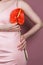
{"points": [[10, 34]]}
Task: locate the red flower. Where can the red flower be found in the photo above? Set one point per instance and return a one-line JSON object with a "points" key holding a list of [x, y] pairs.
{"points": [[17, 15]]}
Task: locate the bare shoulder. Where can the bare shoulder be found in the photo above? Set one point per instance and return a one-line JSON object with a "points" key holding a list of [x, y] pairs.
{"points": [[23, 4]]}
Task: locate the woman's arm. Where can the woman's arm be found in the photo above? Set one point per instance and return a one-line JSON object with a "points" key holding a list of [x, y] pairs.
{"points": [[33, 16], [9, 26]]}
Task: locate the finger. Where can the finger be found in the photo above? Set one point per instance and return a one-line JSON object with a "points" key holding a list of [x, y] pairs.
{"points": [[21, 39], [22, 45], [17, 25], [22, 42], [13, 25], [22, 48], [16, 28]]}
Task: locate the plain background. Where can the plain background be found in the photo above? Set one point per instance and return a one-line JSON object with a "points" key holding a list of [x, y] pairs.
{"points": [[35, 42]]}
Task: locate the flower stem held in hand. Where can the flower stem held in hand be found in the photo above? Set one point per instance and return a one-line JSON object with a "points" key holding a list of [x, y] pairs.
{"points": [[26, 55]]}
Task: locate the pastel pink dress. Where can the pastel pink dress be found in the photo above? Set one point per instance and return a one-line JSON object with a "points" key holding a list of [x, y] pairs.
{"points": [[9, 53]]}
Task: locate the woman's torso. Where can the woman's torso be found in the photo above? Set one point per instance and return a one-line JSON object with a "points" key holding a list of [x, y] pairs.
{"points": [[8, 40]]}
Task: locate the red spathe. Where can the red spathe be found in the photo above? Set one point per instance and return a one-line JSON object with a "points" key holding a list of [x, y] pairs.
{"points": [[15, 18]]}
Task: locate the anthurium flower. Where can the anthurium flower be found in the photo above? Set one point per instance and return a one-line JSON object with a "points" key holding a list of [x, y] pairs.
{"points": [[17, 15]]}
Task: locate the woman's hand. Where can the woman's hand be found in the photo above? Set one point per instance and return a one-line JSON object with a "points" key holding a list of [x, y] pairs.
{"points": [[22, 46], [15, 27]]}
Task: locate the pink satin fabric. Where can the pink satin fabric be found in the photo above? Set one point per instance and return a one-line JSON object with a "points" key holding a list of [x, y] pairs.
{"points": [[9, 53]]}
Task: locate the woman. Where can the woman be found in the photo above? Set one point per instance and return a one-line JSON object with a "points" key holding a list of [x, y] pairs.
{"points": [[12, 53]]}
